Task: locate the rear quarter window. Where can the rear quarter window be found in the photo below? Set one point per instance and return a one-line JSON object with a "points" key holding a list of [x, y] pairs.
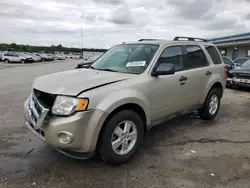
{"points": [[214, 54]]}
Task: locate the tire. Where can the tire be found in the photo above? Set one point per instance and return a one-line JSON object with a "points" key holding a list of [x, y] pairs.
{"points": [[206, 112], [23, 61], [120, 156], [7, 61]]}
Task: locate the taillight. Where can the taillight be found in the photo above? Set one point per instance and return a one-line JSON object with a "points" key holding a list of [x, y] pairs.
{"points": [[225, 73]]}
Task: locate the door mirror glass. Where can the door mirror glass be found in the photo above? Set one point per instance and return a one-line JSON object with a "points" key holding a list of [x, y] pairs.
{"points": [[164, 69]]}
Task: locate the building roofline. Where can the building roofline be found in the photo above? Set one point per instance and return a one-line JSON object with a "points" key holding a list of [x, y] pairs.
{"points": [[230, 40], [229, 36]]}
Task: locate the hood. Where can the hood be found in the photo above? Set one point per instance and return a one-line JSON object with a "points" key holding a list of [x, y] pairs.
{"points": [[243, 70], [27, 56], [74, 82]]}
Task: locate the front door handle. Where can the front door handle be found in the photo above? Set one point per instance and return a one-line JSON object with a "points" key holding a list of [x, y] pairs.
{"points": [[208, 73], [183, 78]]}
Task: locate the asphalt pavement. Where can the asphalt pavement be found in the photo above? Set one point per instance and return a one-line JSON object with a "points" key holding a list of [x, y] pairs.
{"points": [[185, 152]]}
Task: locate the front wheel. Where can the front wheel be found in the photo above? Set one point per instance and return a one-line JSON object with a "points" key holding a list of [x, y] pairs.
{"points": [[121, 137], [22, 61], [6, 61], [211, 106]]}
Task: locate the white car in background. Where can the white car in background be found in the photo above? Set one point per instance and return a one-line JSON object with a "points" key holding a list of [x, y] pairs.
{"points": [[59, 57], [31, 57], [12, 57]]}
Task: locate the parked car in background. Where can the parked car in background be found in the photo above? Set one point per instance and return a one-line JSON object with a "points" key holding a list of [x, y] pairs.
{"points": [[45, 57], [1, 53], [109, 107], [241, 75], [59, 57], [13, 57], [50, 57], [87, 63], [34, 57], [229, 66], [239, 61], [29, 58]]}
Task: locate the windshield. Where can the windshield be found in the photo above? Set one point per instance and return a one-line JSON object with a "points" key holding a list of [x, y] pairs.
{"points": [[240, 61], [246, 64], [227, 61], [127, 58]]}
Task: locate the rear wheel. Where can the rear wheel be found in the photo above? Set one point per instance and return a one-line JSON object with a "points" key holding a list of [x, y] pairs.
{"points": [[212, 104], [6, 61], [121, 137]]}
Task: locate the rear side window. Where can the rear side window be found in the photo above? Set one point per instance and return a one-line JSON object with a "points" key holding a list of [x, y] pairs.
{"points": [[214, 54], [194, 58]]}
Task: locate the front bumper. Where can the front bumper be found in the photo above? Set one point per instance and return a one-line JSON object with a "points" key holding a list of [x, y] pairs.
{"points": [[29, 60], [241, 82], [84, 126]]}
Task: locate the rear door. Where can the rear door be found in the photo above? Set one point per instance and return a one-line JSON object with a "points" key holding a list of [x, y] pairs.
{"points": [[197, 72], [10, 57]]}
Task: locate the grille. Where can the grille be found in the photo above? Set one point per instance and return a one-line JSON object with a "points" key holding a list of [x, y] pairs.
{"points": [[45, 99], [37, 112], [243, 76], [35, 109]]}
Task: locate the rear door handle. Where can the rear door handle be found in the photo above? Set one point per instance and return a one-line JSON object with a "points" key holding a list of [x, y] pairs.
{"points": [[208, 73], [183, 78]]}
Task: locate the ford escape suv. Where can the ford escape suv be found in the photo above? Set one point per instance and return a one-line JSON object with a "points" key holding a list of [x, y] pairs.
{"points": [[108, 107]]}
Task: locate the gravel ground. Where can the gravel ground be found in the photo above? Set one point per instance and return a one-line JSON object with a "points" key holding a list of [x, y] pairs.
{"points": [[184, 152]]}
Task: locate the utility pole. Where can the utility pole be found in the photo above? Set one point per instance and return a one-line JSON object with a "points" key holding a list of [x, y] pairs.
{"points": [[81, 43]]}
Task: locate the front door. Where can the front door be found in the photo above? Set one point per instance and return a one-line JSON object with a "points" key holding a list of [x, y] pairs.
{"points": [[167, 91], [16, 58]]}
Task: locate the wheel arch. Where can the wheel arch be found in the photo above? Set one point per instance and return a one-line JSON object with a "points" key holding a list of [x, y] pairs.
{"points": [[216, 84], [129, 106]]}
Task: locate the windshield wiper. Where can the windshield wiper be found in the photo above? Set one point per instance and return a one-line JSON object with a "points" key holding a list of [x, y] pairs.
{"points": [[92, 68], [111, 70]]}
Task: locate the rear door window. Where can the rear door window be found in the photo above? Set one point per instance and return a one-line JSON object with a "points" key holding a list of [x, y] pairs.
{"points": [[194, 57], [214, 54]]}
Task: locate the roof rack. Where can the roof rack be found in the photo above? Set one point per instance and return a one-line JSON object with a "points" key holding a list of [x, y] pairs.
{"points": [[148, 40], [190, 38]]}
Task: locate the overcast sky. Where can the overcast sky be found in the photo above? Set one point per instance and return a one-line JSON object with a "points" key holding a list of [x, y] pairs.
{"points": [[109, 22]]}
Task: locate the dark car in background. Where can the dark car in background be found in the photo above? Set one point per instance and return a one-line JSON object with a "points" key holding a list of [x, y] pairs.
{"points": [[45, 57], [239, 61], [229, 66], [241, 75]]}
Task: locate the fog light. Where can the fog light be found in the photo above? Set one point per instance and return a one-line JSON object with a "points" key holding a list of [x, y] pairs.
{"points": [[65, 137]]}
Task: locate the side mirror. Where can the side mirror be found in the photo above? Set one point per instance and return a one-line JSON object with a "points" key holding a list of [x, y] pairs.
{"points": [[84, 65], [163, 69]]}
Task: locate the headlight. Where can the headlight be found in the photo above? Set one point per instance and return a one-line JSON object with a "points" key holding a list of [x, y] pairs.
{"points": [[67, 105]]}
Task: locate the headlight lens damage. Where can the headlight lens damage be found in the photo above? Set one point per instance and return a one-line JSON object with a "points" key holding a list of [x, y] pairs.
{"points": [[67, 105]]}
